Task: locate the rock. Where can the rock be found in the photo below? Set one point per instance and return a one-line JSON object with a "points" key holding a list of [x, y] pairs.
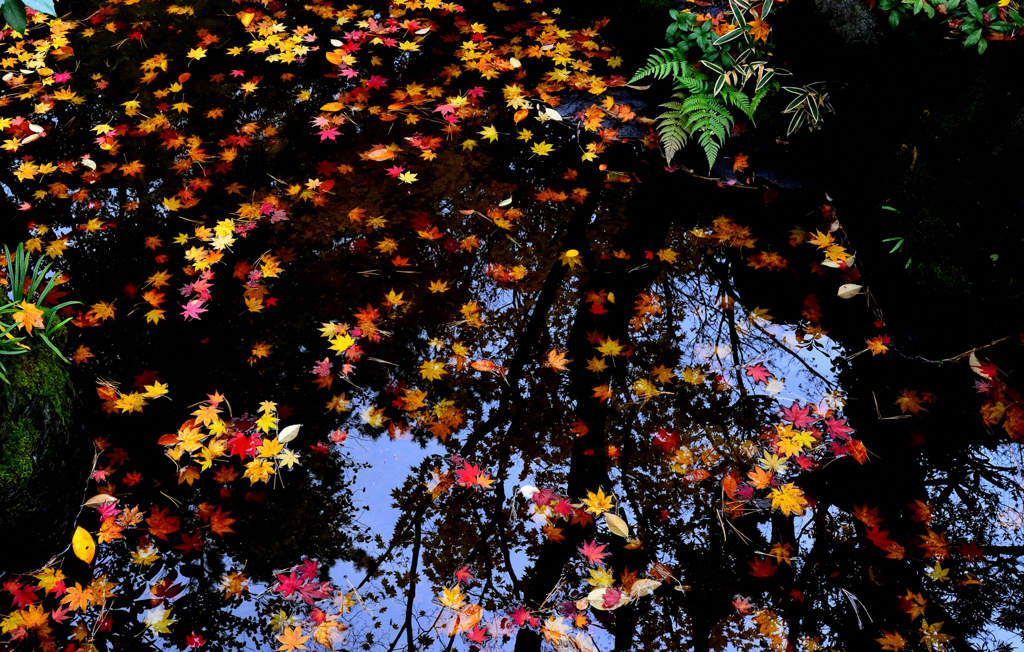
{"points": [[851, 21], [43, 459]]}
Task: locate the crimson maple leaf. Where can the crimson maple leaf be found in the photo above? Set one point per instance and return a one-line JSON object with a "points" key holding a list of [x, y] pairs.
{"points": [[593, 552], [287, 584], [523, 617], [467, 475], [190, 543], [22, 596], [838, 428], [476, 635], [798, 416], [309, 570], [759, 373], [763, 568], [314, 591], [971, 551], [464, 574], [666, 441]]}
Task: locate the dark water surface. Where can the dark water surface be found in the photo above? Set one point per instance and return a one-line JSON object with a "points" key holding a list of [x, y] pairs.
{"points": [[455, 444]]}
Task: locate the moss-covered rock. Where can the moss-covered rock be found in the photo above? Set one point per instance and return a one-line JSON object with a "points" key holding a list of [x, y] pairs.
{"points": [[41, 460]]}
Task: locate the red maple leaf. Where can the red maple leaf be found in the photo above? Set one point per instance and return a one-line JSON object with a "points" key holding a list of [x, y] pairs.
{"points": [[759, 373], [190, 543], [467, 475], [476, 635], [593, 552], [838, 428], [464, 574], [666, 441], [22, 596], [287, 584], [763, 568], [742, 604], [971, 551], [798, 416]]}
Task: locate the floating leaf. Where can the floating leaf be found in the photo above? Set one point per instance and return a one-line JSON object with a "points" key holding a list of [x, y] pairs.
{"points": [[289, 433], [101, 499], [849, 290], [83, 545], [616, 525], [643, 587]]}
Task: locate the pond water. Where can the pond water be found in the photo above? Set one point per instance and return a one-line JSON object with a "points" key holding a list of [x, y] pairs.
{"points": [[381, 346]]}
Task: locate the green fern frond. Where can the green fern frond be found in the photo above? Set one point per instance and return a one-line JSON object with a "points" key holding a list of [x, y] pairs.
{"points": [[711, 147], [760, 95], [668, 62], [739, 99], [672, 127]]}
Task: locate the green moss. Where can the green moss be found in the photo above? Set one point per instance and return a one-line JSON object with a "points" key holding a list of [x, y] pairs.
{"points": [[35, 419]]}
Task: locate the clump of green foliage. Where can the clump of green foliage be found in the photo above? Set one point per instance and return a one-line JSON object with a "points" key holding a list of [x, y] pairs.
{"points": [[718, 63], [23, 283], [977, 25]]}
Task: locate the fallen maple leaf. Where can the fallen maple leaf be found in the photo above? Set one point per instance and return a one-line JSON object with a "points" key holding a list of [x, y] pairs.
{"points": [[759, 373], [556, 360], [763, 568], [594, 553], [292, 639]]}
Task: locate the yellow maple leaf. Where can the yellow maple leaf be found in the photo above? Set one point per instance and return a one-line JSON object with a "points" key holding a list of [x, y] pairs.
{"points": [[453, 597], [788, 499], [610, 347], [597, 503], [489, 133], [541, 148], [432, 370]]}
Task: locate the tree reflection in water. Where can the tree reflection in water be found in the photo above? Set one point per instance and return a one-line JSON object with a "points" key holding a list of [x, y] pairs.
{"points": [[645, 423]]}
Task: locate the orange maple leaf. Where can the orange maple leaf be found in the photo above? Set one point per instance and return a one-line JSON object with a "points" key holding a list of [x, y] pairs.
{"points": [[161, 523], [878, 344], [28, 317], [909, 402], [603, 392], [292, 639], [739, 163], [556, 360], [220, 522], [759, 29]]}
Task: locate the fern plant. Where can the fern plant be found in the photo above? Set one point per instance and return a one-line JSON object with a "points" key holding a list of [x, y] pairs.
{"points": [[698, 109]]}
